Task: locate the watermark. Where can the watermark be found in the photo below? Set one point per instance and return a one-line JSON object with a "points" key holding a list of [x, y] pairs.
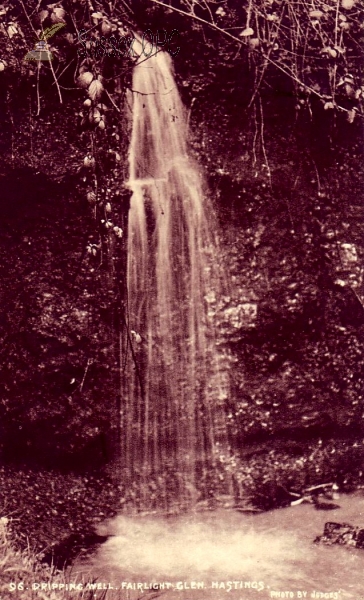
{"points": [[123, 45], [41, 50]]}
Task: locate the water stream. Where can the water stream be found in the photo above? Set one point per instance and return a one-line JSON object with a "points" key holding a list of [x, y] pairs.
{"points": [[263, 553], [173, 419]]}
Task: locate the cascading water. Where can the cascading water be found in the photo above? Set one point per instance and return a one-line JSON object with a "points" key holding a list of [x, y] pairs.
{"points": [[173, 421]]}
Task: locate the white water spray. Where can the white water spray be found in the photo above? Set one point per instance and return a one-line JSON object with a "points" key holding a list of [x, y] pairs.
{"points": [[173, 416]]}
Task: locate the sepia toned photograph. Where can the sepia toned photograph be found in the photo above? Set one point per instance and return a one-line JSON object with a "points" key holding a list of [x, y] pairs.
{"points": [[181, 287]]}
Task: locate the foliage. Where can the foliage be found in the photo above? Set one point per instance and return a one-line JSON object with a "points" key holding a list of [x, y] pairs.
{"points": [[56, 331], [20, 569], [300, 360], [316, 46], [308, 54]]}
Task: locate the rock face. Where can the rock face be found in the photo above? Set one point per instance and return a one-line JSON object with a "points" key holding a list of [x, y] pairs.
{"points": [[343, 534]]}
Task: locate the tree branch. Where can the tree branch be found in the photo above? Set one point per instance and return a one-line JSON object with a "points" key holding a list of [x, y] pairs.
{"points": [[193, 16], [289, 73]]}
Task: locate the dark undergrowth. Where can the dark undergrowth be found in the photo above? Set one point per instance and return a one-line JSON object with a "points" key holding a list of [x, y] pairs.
{"points": [[46, 508], [49, 519]]}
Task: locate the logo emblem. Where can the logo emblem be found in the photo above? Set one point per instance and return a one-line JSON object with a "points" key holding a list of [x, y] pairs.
{"points": [[41, 50]]}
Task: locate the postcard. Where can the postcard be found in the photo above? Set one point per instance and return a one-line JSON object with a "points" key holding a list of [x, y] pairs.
{"points": [[181, 259]]}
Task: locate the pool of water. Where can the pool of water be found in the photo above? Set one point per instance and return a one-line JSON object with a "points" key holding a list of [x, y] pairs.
{"points": [[227, 554]]}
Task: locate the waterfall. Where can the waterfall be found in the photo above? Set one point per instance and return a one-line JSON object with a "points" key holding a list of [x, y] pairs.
{"points": [[174, 390]]}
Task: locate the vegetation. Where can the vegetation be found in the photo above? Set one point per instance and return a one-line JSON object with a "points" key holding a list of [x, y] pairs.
{"points": [[285, 81], [20, 570]]}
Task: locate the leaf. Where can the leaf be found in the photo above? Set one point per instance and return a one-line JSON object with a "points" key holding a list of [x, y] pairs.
{"points": [[91, 197], [347, 4], [58, 15], [254, 43], [89, 161], [329, 105], [351, 115], [350, 91], [85, 79], [95, 89], [43, 15], [105, 27], [94, 116], [12, 30], [247, 32], [316, 14]]}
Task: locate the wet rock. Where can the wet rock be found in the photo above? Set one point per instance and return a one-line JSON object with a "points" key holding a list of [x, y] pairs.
{"points": [[343, 534], [321, 505], [63, 553]]}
